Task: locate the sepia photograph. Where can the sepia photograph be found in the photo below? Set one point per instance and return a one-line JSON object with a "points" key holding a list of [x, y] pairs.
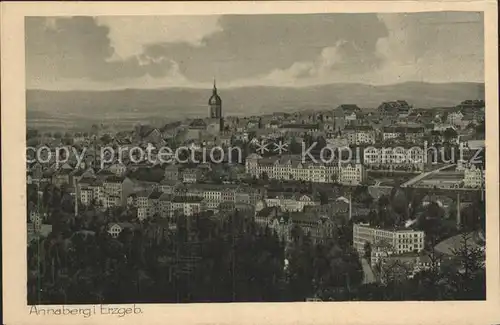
{"points": [[274, 157]]}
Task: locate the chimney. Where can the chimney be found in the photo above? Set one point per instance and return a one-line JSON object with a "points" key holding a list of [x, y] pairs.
{"points": [[459, 222], [76, 203], [482, 184], [350, 206]]}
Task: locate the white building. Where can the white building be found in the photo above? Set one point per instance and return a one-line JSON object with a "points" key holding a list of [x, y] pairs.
{"points": [[118, 187], [286, 168], [111, 201], [86, 196], [473, 177], [395, 157], [359, 134], [188, 206], [115, 229], [90, 190], [290, 201], [400, 240], [118, 169], [455, 119]]}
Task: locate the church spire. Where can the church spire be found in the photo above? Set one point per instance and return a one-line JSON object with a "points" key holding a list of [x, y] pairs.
{"points": [[215, 87]]}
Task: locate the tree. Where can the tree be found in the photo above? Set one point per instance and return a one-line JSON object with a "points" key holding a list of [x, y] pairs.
{"points": [[469, 281], [323, 197], [480, 128], [106, 138], [31, 133], [449, 134], [395, 272], [384, 212], [367, 250], [335, 178], [444, 117], [295, 146]]}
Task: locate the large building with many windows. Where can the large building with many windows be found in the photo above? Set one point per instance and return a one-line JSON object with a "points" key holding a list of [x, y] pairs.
{"points": [[359, 134], [407, 157], [401, 240], [473, 177], [291, 168]]}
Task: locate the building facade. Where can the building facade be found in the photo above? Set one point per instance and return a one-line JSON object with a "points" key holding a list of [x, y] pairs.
{"points": [[400, 240], [284, 168]]}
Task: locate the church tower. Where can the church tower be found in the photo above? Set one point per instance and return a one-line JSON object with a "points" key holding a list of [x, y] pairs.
{"points": [[215, 106]]}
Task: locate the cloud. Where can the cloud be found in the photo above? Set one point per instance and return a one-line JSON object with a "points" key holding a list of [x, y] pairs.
{"points": [[239, 50], [129, 34], [253, 45], [331, 64], [429, 47], [62, 49], [432, 47]]}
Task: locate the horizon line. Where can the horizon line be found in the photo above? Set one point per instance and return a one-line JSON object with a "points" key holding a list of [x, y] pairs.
{"points": [[257, 86]]}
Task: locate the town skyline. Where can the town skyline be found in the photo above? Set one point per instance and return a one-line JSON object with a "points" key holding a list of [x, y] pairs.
{"points": [[336, 192]]}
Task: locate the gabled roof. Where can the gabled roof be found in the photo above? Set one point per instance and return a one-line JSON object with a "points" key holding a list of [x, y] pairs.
{"points": [[349, 108], [197, 123], [114, 179], [155, 195], [358, 128]]}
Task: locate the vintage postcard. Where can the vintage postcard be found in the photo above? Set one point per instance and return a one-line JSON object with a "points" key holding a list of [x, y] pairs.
{"points": [[250, 162]]}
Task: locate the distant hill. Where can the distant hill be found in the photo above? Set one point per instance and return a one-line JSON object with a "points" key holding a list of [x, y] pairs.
{"points": [[123, 108]]}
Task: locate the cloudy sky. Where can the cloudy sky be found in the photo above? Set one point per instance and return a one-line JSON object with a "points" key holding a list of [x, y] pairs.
{"points": [[109, 52]]}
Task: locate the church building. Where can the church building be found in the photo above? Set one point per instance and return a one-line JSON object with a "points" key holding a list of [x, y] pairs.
{"points": [[216, 121], [211, 127]]}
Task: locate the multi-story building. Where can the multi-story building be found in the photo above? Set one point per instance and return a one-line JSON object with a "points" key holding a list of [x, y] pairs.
{"points": [[351, 174], [141, 199], [282, 226], [154, 202], [165, 205], [298, 130], [146, 202], [406, 133], [455, 119], [111, 201], [338, 208], [36, 226], [90, 190], [188, 205], [230, 207], [359, 134], [318, 227], [348, 112], [400, 240], [86, 195], [191, 175], [62, 177], [291, 168], [172, 172], [394, 157], [121, 187], [402, 266], [290, 201], [214, 194], [394, 109], [473, 177], [118, 169]]}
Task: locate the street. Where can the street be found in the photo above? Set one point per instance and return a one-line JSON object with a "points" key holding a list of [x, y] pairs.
{"points": [[369, 277]]}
